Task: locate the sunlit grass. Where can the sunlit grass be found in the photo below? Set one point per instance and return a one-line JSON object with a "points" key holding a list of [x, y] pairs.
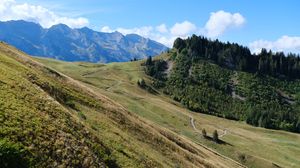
{"points": [[252, 146]]}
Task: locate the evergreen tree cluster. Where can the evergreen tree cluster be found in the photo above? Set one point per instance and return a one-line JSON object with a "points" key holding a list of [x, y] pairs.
{"points": [[206, 74], [155, 68], [235, 56]]}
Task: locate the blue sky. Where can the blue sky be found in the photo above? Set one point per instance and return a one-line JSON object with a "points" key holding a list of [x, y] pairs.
{"points": [[271, 24]]}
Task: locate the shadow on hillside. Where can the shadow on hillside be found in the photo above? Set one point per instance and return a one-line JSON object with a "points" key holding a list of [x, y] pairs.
{"points": [[219, 141]]}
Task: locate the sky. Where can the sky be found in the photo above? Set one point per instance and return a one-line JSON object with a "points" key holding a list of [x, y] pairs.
{"points": [[254, 23]]}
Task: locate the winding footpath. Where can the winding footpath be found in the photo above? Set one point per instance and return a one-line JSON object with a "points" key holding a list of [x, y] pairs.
{"points": [[113, 86], [193, 124], [192, 120]]}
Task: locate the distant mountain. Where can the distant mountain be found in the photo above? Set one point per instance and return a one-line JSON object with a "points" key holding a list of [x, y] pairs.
{"points": [[63, 43]]}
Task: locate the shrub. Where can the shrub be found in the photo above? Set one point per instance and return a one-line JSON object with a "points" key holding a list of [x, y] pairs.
{"points": [[81, 115], [12, 155], [215, 136], [71, 104], [141, 83], [204, 133]]}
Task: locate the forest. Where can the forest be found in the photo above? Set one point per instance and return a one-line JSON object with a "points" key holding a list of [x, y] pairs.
{"points": [[235, 56], [226, 80]]}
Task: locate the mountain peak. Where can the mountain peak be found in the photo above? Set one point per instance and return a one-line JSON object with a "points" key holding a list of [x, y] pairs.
{"points": [[85, 29], [60, 26], [20, 22], [134, 36], [117, 32], [84, 44]]}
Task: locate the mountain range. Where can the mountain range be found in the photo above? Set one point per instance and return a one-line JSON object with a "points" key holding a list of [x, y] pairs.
{"points": [[84, 44]]}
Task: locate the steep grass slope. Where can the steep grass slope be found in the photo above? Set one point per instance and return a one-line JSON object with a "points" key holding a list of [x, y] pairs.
{"points": [[251, 146], [37, 126], [49, 120]]}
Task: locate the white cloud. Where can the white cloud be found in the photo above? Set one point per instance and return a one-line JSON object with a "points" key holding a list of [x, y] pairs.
{"points": [[168, 41], [11, 10], [284, 43], [159, 33], [162, 28], [217, 24], [183, 29], [145, 31], [221, 21], [106, 29]]}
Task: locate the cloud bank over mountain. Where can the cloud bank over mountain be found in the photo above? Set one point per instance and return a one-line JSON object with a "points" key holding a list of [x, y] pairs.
{"points": [[284, 43], [11, 10], [218, 23]]}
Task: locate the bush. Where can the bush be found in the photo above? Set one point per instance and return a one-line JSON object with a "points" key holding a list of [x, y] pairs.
{"points": [[204, 133], [141, 83], [216, 136], [81, 115], [12, 155], [71, 104]]}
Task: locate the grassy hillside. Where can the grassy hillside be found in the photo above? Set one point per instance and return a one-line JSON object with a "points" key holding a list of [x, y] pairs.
{"points": [[251, 146], [37, 125], [225, 80], [51, 120]]}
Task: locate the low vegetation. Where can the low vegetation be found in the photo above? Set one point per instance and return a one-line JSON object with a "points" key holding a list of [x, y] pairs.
{"points": [[216, 136], [13, 155], [37, 125]]}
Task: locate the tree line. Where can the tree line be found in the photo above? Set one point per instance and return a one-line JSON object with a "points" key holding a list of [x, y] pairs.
{"points": [[235, 56]]}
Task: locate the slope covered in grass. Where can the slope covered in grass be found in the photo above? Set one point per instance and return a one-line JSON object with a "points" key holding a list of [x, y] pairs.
{"points": [[49, 119], [251, 146], [36, 117]]}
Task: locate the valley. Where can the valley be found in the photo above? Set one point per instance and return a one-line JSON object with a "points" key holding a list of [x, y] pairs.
{"points": [[149, 84], [250, 146]]}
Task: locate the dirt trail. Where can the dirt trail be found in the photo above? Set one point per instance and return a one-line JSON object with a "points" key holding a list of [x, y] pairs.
{"points": [[114, 85], [192, 120], [193, 125], [224, 133]]}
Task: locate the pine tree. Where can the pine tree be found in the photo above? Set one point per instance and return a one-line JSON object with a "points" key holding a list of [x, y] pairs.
{"points": [[141, 83], [204, 133], [149, 61], [215, 136]]}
